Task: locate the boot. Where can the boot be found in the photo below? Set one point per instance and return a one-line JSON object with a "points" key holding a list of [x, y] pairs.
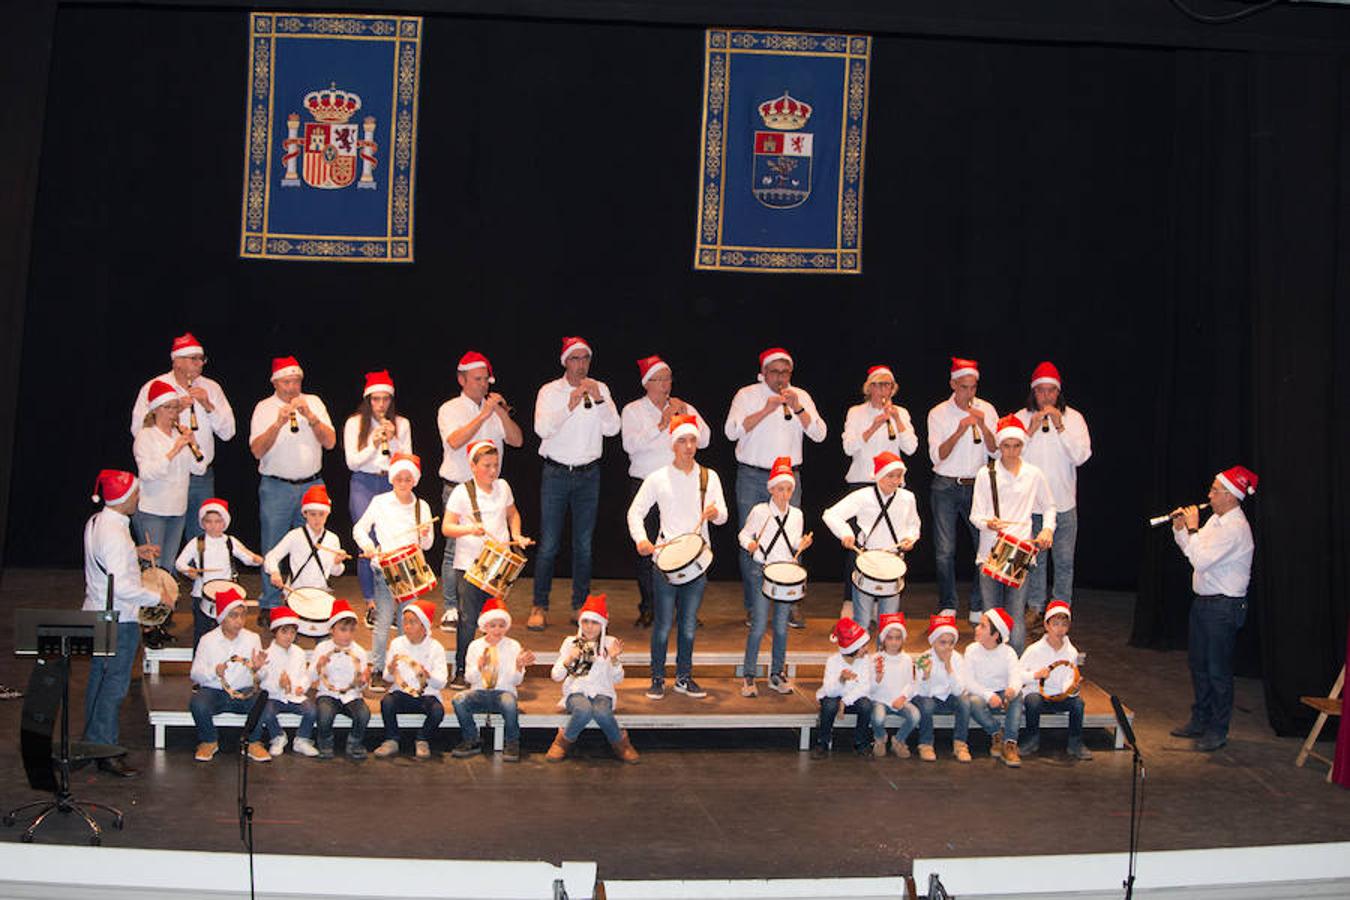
{"points": [[962, 750], [558, 751], [623, 749], [996, 744], [1011, 758]]}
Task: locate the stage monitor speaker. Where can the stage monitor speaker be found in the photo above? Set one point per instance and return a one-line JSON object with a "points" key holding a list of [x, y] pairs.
{"points": [[41, 706]]}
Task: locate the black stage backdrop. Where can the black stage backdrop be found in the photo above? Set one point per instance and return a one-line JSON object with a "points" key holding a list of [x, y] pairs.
{"points": [[1167, 224]]}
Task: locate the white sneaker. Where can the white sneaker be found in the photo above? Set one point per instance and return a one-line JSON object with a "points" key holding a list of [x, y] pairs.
{"points": [[278, 745], [304, 746], [976, 617], [947, 612], [450, 620]]}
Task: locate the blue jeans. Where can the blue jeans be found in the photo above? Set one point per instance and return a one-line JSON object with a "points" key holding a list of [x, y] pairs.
{"points": [[279, 511], [598, 709], [305, 709], [166, 532], [365, 485], [1061, 555], [449, 583], [388, 613], [866, 607], [1035, 704], [646, 570], [1012, 599], [759, 620], [326, 712], [481, 700], [909, 720], [560, 490], [986, 716], [207, 702], [471, 600], [862, 728], [1214, 624], [109, 679], [396, 702], [687, 597], [951, 507], [953, 705], [752, 486], [200, 488]]}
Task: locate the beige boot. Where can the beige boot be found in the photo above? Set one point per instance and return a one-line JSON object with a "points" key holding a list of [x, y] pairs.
{"points": [[1011, 757], [996, 745], [624, 749], [927, 753], [558, 751], [537, 621], [962, 751]]}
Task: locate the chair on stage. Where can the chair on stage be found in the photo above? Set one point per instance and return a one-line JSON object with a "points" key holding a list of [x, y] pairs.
{"points": [[1326, 707]]}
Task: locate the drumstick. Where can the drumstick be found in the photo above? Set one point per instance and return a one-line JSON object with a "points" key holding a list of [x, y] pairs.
{"points": [[414, 529], [798, 555]]}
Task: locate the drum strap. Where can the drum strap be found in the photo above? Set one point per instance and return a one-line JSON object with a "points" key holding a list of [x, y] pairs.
{"points": [[702, 496], [98, 562], [993, 487], [781, 522], [313, 554], [229, 552], [472, 488], [883, 516]]}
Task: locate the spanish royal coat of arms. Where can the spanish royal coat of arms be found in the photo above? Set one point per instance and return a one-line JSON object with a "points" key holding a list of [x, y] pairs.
{"points": [[331, 145], [782, 166]]}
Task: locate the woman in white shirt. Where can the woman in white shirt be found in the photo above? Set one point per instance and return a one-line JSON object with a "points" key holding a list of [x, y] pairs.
{"points": [[164, 460]]}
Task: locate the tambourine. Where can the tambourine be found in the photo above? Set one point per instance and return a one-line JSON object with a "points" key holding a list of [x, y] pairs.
{"points": [[234, 692], [401, 663], [1071, 690], [327, 683]]}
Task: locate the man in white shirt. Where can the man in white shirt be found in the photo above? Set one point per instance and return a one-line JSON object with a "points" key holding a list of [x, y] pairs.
{"points": [[1057, 444], [208, 415], [645, 425], [572, 416], [477, 414], [1220, 555], [960, 442], [288, 433], [767, 420]]}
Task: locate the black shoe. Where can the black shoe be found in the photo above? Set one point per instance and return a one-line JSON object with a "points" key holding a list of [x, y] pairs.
{"points": [[117, 766], [370, 616], [466, 749], [1211, 742], [689, 687], [1190, 730], [658, 689], [458, 683], [819, 752], [511, 751], [644, 619], [795, 618]]}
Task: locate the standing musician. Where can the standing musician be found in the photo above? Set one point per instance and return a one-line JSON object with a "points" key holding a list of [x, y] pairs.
{"points": [[208, 414], [313, 554], [1057, 444], [165, 459], [960, 442], [477, 414], [689, 496], [287, 435], [645, 425], [371, 437], [767, 420], [1005, 494], [209, 557], [1220, 555], [572, 416], [109, 553]]}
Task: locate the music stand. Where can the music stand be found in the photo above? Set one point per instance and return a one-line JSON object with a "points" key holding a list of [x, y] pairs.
{"points": [[54, 636]]}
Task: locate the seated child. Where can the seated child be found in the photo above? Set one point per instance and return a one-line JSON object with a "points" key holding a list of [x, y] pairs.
{"points": [[341, 692], [942, 688], [994, 684], [892, 687], [1036, 662], [494, 665], [227, 646], [416, 666], [285, 677], [588, 666], [848, 678], [211, 556]]}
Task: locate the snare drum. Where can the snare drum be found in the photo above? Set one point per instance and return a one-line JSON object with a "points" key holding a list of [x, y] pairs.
{"points": [[880, 573], [1009, 560], [496, 569], [684, 558], [784, 581], [406, 572], [215, 586], [157, 580], [313, 606]]}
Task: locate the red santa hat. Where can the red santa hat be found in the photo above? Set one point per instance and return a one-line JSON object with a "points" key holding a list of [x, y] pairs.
{"points": [[571, 345], [1045, 373], [1057, 608], [773, 354], [316, 498], [494, 608], [282, 615], [477, 447], [595, 609], [475, 360], [227, 600], [649, 366], [112, 486], [1239, 481], [285, 367], [1000, 621], [1010, 427], [683, 426], [186, 345], [849, 635], [885, 463], [378, 383], [879, 373], [161, 392], [782, 471], [962, 367], [425, 611], [940, 625], [405, 462], [341, 610], [891, 622], [214, 505]]}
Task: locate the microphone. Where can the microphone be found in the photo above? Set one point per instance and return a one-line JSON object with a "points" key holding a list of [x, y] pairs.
{"points": [[1123, 722], [254, 714]]}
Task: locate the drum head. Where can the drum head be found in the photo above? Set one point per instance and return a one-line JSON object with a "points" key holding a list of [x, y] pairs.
{"points": [[216, 585], [679, 552], [158, 579], [311, 603], [785, 572], [881, 565]]}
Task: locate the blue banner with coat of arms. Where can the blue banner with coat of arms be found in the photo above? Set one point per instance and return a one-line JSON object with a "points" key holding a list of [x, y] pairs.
{"points": [[331, 125], [781, 168]]}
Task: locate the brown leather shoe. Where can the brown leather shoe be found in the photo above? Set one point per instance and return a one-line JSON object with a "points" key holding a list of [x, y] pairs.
{"points": [[537, 621], [1011, 758], [257, 751], [117, 765], [557, 752], [624, 749], [996, 745]]}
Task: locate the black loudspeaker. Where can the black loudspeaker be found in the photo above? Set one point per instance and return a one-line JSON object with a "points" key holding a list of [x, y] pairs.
{"points": [[41, 706]]}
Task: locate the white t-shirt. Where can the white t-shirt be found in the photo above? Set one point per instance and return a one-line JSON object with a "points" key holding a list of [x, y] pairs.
{"points": [[492, 505]]}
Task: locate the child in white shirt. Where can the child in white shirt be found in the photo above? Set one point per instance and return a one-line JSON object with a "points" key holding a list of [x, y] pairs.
{"points": [[494, 667], [224, 668], [942, 688], [994, 680], [588, 666], [848, 679], [285, 677], [210, 557], [343, 693], [893, 687], [1037, 662], [416, 667]]}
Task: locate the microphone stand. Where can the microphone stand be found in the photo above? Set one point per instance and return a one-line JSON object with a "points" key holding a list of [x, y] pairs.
{"points": [[1137, 775], [245, 809]]}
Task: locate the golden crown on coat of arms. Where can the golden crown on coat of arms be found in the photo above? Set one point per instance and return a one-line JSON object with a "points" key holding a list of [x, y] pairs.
{"points": [[784, 113], [332, 105]]}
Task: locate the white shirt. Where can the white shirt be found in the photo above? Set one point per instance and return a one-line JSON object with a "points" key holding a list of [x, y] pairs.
{"points": [[966, 456], [605, 673], [218, 423], [1018, 495], [1059, 454], [1220, 554], [295, 549], [164, 481], [774, 436], [492, 506], [215, 559], [863, 450], [297, 455], [109, 550], [292, 661], [508, 677], [454, 415], [359, 661], [1040, 655], [573, 437], [935, 681], [648, 444], [897, 678], [214, 648], [990, 672], [763, 523], [862, 503], [371, 458], [429, 653], [833, 685], [395, 524], [676, 494]]}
